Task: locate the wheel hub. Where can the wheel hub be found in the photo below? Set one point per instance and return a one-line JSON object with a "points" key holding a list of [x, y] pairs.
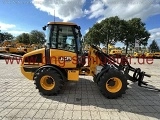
{"points": [[111, 82], [113, 85], [49, 81]]}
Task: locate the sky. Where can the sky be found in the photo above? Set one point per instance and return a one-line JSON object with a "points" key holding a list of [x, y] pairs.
{"points": [[22, 16]]}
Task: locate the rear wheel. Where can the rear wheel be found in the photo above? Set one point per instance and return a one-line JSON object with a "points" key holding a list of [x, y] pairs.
{"points": [[112, 84], [48, 81]]}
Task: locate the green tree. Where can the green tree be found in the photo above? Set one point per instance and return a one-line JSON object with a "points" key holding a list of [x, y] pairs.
{"points": [[23, 38], [133, 30], [92, 37], [154, 47], [37, 37], [105, 32], [110, 31], [7, 36], [1, 37]]}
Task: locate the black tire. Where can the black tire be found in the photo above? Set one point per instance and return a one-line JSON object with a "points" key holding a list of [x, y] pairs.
{"points": [[95, 78], [106, 77], [55, 77]]}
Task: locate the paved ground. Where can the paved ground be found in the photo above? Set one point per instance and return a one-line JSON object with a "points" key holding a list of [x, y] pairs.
{"points": [[82, 100]]}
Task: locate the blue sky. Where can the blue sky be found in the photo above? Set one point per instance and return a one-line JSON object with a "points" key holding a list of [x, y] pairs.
{"points": [[19, 16]]}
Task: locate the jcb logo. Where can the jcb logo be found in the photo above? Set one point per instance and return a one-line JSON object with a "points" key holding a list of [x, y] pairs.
{"points": [[65, 58]]}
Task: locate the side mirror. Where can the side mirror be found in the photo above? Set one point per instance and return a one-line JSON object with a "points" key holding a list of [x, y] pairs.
{"points": [[80, 35], [79, 27], [44, 28]]}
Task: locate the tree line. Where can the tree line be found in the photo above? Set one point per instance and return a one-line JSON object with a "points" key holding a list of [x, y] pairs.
{"points": [[108, 31], [34, 37], [112, 30], [154, 47]]}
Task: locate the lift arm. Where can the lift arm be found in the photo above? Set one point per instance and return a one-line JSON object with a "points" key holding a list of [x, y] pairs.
{"points": [[124, 66]]}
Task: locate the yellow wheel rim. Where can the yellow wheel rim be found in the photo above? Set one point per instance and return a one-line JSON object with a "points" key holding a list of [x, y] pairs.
{"points": [[47, 85], [116, 85]]}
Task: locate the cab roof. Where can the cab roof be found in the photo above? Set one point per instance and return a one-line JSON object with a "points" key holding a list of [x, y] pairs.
{"points": [[61, 23]]}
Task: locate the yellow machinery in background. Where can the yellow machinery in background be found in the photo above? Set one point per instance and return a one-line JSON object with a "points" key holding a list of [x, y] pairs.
{"points": [[14, 47], [23, 49], [3, 46], [144, 55], [62, 60], [115, 52], [2, 49], [112, 51], [10, 46], [29, 48], [156, 54], [137, 55], [148, 55]]}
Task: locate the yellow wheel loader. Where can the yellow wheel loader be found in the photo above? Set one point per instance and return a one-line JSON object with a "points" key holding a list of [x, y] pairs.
{"points": [[62, 60]]}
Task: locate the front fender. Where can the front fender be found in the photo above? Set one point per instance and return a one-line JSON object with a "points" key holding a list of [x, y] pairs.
{"points": [[104, 69]]}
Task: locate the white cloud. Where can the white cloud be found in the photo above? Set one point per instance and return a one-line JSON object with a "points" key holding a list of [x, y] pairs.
{"points": [[96, 9], [86, 31], [11, 28], [125, 9], [68, 10], [64, 9], [155, 34], [16, 32], [5, 26]]}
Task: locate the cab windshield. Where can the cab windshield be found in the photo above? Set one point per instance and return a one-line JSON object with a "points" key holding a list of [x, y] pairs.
{"points": [[64, 37]]}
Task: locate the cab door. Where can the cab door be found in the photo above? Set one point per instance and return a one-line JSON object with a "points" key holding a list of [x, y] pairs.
{"points": [[64, 48]]}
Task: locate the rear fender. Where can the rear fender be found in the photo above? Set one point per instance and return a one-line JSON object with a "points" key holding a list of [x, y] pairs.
{"points": [[52, 67]]}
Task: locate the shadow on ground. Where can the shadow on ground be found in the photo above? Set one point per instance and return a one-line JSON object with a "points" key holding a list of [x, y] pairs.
{"points": [[136, 99]]}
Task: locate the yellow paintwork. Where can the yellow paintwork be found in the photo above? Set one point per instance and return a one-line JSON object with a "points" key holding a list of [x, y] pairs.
{"points": [[93, 62], [72, 63], [30, 75], [45, 85], [148, 55], [57, 54], [69, 64], [73, 75], [15, 47], [116, 87], [24, 50], [137, 54], [112, 50], [12, 50], [30, 49], [38, 51], [157, 54], [20, 45], [3, 49], [115, 52], [5, 43]]}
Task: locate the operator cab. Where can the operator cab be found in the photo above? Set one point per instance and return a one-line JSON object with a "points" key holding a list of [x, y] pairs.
{"points": [[64, 36]]}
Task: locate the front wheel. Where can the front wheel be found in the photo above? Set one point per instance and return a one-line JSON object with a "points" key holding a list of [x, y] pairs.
{"points": [[112, 84], [48, 81]]}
